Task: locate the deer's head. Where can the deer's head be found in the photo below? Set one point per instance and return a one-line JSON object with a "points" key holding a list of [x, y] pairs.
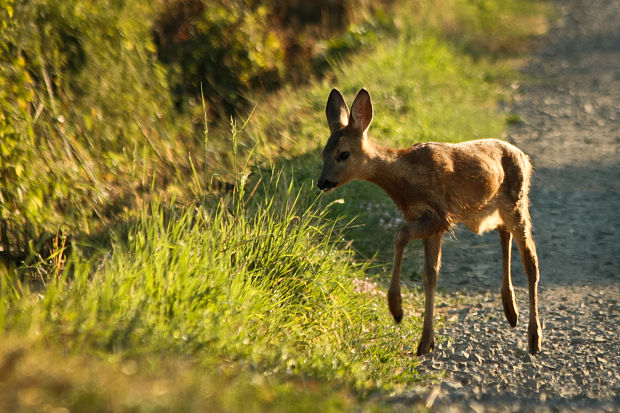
{"points": [[343, 154]]}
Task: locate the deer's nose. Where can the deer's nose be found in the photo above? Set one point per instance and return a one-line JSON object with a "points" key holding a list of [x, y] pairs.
{"points": [[325, 184]]}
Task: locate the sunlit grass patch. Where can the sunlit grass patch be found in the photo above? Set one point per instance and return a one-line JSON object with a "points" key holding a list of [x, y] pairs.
{"points": [[257, 279]]}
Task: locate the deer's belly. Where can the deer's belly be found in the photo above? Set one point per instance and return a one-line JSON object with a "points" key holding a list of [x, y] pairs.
{"points": [[482, 221]]}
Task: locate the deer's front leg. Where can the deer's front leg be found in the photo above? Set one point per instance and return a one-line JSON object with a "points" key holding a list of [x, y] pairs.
{"points": [[394, 298], [425, 226]]}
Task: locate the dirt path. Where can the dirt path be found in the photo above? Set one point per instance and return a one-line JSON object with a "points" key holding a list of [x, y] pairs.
{"points": [[570, 107]]}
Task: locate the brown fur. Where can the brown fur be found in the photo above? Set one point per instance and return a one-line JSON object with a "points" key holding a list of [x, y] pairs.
{"points": [[482, 183]]}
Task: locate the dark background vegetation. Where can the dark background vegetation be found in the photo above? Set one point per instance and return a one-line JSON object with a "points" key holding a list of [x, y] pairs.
{"points": [[98, 98]]}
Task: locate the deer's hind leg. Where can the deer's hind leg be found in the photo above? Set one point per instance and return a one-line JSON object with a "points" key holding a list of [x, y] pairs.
{"points": [[432, 263], [508, 294], [522, 233]]}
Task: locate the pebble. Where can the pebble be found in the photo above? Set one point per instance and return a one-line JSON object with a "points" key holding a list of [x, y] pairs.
{"points": [[495, 374], [575, 198]]}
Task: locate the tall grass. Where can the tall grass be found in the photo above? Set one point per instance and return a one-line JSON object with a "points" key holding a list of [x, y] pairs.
{"points": [[258, 279]]}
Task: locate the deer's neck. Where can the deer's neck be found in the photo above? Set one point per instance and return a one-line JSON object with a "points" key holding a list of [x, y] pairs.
{"points": [[387, 168]]}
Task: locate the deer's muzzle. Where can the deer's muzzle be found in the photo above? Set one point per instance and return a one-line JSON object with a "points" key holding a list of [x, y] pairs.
{"points": [[326, 185]]}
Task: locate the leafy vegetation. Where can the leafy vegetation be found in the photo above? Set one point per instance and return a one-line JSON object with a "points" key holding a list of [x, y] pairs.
{"points": [[155, 257], [233, 47], [85, 115], [88, 104]]}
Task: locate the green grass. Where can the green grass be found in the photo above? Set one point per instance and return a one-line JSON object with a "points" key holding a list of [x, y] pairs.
{"points": [[257, 283], [269, 297]]}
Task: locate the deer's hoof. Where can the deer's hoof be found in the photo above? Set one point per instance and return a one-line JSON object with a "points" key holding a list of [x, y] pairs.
{"points": [[425, 346], [394, 303], [510, 309], [512, 315], [534, 339]]}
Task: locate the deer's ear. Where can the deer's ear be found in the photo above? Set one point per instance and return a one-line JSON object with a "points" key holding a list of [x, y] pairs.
{"points": [[336, 111], [361, 111]]}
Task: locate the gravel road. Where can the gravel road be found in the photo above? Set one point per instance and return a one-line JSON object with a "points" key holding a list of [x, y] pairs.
{"points": [[570, 107]]}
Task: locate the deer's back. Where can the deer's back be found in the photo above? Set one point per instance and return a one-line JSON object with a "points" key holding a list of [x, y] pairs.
{"points": [[472, 181]]}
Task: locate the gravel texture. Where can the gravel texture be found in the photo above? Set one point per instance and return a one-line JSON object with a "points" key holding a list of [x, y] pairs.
{"points": [[570, 107]]}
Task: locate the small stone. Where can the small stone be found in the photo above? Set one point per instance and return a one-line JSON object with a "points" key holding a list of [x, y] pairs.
{"points": [[476, 407], [548, 366], [579, 340], [452, 385], [465, 378]]}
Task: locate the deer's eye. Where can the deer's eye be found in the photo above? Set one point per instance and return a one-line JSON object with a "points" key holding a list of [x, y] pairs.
{"points": [[342, 156]]}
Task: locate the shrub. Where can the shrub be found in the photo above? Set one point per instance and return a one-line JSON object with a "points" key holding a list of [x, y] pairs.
{"points": [[84, 116]]}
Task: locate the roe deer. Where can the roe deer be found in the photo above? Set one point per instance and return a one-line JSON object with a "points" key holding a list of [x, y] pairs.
{"points": [[483, 184]]}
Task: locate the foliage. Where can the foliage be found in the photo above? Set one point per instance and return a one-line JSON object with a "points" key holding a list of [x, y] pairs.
{"points": [[87, 119], [237, 47], [223, 45], [83, 111]]}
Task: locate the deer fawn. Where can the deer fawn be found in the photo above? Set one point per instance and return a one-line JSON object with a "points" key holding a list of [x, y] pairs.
{"points": [[482, 183]]}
